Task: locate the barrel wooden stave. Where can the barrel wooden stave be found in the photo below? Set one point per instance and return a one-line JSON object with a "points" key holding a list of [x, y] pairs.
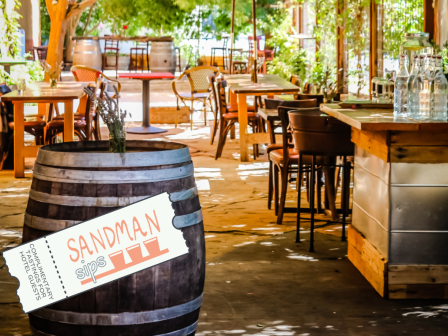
{"points": [[163, 57], [167, 285], [87, 53]]}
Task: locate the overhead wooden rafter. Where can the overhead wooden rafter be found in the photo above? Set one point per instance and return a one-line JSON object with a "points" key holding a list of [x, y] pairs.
{"points": [[60, 11]]}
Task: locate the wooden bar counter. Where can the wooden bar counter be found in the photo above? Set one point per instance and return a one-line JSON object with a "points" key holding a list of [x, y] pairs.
{"points": [[399, 234]]}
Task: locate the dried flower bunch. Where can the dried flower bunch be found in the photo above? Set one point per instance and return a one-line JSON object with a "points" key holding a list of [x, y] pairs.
{"points": [[108, 109], [53, 73]]}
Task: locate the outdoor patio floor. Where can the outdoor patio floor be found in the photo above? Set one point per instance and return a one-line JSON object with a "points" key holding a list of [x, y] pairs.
{"points": [[258, 280]]}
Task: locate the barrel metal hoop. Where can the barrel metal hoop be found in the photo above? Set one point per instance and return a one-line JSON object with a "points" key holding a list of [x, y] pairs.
{"points": [[182, 332], [48, 157], [183, 221], [48, 224], [110, 177], [104, 201], [103, 319]]}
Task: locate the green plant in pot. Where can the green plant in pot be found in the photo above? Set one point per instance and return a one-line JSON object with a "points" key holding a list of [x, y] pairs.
{"points": [[113, 117]]}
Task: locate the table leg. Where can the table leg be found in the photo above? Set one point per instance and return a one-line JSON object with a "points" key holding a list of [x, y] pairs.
{"points": [[242, 120], [69, 123], [19, 143], [146, 127], [146, 103]]}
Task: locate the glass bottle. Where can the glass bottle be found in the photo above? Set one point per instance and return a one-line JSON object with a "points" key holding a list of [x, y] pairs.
{"points": [[401, 90], [422, 92], [439, 90], [414, 71]]}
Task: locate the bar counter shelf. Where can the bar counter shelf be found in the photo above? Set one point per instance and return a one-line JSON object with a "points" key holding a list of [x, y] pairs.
{"points": [[399, 234]]}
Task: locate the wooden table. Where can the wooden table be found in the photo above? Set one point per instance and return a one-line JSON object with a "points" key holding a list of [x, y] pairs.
{"points": [[7, 64], [399, 233], [41, 93], [241, 87], [146, 127]]}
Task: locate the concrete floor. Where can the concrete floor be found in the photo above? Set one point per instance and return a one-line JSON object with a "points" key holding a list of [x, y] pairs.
{"points": [[258, 281]]}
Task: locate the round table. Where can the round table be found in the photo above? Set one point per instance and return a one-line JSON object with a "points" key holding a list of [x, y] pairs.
{"points": [[146, 127]]}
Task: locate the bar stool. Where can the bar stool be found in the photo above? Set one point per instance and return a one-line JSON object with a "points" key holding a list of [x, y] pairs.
{"points": [[111, 46], [141, 49], [317, 135], [224, 50]]}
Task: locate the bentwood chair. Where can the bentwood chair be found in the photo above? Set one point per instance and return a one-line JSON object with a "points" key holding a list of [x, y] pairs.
{"points": [[199, 89], [40, 53], [215, 108], [280, 160], [228, 119], [86, 121], [318, 140]]}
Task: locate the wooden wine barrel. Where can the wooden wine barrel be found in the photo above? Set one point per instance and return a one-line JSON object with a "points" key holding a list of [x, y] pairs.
{"points": [[163, 57], [76, 181], [88, 53]]}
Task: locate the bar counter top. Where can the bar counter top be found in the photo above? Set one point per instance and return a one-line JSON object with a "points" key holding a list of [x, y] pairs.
{"points": [[381, 120]]}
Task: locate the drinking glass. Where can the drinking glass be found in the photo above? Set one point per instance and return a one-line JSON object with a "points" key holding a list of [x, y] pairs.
{"points": [[21, 85]]}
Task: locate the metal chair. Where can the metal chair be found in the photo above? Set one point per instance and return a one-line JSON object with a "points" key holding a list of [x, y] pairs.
{"points": [[200, 89], [224, 54], [139, 51], [111, 46]]}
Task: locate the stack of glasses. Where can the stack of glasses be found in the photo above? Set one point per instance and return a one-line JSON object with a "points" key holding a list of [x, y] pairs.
{"points": [[422, 95]]}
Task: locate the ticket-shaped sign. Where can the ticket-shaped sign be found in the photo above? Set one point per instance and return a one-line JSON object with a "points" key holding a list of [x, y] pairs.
{"points": [[95, 252]]}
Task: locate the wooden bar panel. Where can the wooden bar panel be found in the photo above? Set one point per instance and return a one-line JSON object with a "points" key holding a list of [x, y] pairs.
{"points": [[367, 259], [419, 154], [419, 138], [375, 143]]}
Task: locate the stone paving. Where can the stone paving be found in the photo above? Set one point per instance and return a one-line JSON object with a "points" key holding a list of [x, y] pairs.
{"points": [[258, 281]]}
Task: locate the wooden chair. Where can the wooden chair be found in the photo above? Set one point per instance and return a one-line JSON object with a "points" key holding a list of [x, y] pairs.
{"points": [[216, 110], [229, 119], [224, 52], [111, 46], [200, 89], [86, 121], [319, 97], [40, 53], [140, 51], [309, 105]]}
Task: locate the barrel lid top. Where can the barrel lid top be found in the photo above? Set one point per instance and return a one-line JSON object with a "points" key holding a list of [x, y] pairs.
{"points": [[95, 154]]}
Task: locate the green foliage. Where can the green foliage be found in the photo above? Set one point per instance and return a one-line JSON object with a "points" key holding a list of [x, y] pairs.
{"points": [[88, 25], [10, 47], [289, 58], [31, 72], [401, 16], [269, 14], [45, 22], [9, 29]]}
